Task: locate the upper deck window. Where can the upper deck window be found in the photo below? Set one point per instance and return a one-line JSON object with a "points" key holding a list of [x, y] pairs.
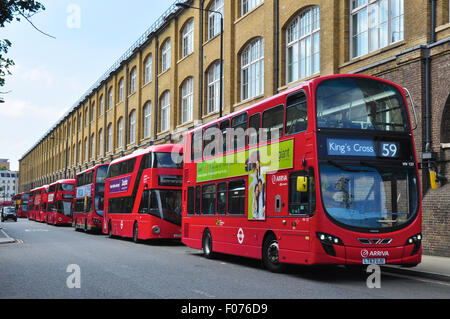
{"points": [[360, 103]]}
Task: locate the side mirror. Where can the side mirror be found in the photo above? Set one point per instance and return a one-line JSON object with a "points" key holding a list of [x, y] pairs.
{"points": [[302, 184]]}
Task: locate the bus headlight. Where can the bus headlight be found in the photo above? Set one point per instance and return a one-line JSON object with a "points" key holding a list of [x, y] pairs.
{"points": [[416, 241]]}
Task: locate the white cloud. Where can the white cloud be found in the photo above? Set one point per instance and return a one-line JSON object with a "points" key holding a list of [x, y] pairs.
{"points": [[40, 74], [21, 109]]}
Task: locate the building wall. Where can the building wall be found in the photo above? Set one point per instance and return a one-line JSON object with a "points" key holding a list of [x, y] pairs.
{"points": [[402, 62]]}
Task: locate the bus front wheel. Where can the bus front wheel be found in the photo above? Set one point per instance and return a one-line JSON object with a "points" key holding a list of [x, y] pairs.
{"points": [[271, 254], [207, 245]]}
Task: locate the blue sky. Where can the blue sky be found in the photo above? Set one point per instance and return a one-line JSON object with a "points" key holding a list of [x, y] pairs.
{"points": [[50, 75]]}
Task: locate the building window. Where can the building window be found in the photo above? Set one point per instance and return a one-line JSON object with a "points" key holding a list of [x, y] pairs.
{"points": [[110, 98], [92, 150], [133, 76], [100, 142], [214, 18], [132, 126], [102, 104], [165, 56], [147, 119], [213, 87], [252, 69], [187, 100], [148, 69], [93, 114], [121, 87], [120, 132], [248, 5], [86, 149], [375, 24], [187, 39], [86, 117], [74, 153], [109, 137], [165, 111], [303, 45]]}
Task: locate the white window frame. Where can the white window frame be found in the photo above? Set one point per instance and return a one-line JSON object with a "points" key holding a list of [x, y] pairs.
{"points": [[93, 115], [187, 100], [120, 133], [187, 38], [249, 5], [110, 137], [102, 106], [148, 69], [303, 45], [132, 132], [375, 32], [147, 119], [92, 150], [110, 98], [133, 78], [100, 142], [252, 69], [86, 149], [213, 88], [165, 56], [165, 111], [214, 18], [121, 88]]}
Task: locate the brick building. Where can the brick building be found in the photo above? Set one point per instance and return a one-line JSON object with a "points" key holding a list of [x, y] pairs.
{"points": [[168, 81]]}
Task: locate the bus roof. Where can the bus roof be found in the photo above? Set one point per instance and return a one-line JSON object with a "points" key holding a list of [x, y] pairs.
{"points": [[163, 148], [92, 168], [64, 181]]}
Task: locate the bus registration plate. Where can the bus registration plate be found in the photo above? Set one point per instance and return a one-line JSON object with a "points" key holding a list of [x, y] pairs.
{"points": [[374, 261]]}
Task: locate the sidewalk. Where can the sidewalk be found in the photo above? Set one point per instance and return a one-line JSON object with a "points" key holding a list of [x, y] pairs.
{"points": [[432, 267], [4, 238]]}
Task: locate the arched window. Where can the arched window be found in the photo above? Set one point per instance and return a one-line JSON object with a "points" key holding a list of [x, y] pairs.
{"points": [[445, 124], [248, 5], [110, 98], [147, 119], [148, 69], [165, 111], [92, 150], [120, 132], [303, 45], [252, 69], [121, 87], [165, 55], [214, 18], [86, 117], [187, 100], [93, 114], [132, 121], [133, 77], [102, 105], [86, 150], [100, 142], [213, 87], [375, 24], [187, 38], [109, 138]]}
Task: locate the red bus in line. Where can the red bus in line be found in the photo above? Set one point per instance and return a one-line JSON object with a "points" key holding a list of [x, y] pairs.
{"points": [[60, 201], [30, 204], [17, 202], [322, 173], [143, 194], [41, 210], [88, 202], [21, 204], [35, 210]]}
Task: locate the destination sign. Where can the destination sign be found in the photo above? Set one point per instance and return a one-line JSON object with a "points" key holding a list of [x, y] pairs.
{"points": [[365, 148]]}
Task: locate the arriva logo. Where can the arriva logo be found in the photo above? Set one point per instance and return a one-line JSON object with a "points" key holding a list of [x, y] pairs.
{"points": [[375, 253], [278, 179]]}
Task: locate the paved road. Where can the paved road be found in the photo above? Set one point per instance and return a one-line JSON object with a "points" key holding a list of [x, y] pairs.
{"points": [[36, 267]]}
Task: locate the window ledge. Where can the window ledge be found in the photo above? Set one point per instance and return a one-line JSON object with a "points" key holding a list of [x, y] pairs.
{"points": [[445, 145], [373, 53], [185, 57], [249, 100], [248, 13]]}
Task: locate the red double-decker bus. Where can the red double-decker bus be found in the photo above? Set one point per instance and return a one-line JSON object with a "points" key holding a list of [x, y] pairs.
{"points": [[18, 201], [143, 194], [30, 205], [60, 202], [42, 215], [89, 194], [37, 203], [323, 173]]}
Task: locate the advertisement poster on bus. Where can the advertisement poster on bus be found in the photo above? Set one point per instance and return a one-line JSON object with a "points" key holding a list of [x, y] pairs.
{"points": [[255, 163]]}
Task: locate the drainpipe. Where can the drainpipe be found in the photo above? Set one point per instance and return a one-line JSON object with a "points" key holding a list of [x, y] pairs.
{"points": [[200, 97], [277, 47], [428, 155]]}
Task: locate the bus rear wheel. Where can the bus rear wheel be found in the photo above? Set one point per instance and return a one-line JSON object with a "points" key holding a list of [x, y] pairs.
{"points": [[271, 254], [207, 245]]}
